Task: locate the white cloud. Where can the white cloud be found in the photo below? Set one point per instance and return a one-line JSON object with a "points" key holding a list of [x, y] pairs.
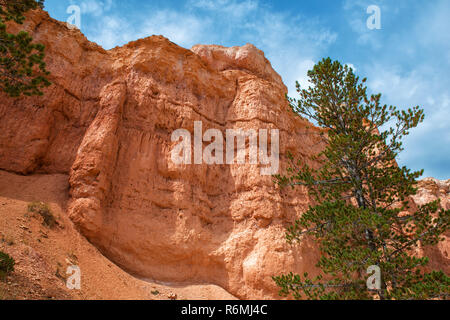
{"points": [[181, 28], [299, 73], [408, 62], [233, 8], [292, 43], [94, 7], [208, 22], [185, 30], [357, 16], [396, 87], [428, 144], [112, 31]]}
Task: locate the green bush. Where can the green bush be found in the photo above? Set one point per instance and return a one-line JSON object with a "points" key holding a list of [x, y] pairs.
{"points": [[6, 265], [43, 210]]}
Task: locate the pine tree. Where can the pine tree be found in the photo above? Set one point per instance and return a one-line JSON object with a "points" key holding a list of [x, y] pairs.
{"points": [[22, 66], [362, 215]]}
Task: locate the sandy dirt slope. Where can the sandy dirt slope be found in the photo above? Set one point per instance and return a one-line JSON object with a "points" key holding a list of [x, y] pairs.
{"points": [[43, 254]]}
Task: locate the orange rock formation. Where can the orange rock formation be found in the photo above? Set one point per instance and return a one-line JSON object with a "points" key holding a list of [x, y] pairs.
{"points": [[107, 121]]}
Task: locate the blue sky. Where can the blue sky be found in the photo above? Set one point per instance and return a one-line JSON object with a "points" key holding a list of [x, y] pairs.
{"points": [[407, 60]]}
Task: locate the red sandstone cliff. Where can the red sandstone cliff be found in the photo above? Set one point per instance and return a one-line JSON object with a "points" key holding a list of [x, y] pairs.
{"points": [[107, 121]]}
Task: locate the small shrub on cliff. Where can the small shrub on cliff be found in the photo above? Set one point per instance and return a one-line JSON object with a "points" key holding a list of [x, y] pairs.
{"points": [[155, 292], [362, 219], [22, 66], [44, 211], [6, 265]]}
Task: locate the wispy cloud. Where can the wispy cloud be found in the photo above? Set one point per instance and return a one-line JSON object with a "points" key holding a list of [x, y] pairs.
{"points": [[94, 7], [183, 29], [218, 22], [233, 8], [409, 63]]}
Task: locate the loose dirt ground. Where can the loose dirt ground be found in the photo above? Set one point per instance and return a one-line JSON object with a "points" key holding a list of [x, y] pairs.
{"points": [[43, 254]]}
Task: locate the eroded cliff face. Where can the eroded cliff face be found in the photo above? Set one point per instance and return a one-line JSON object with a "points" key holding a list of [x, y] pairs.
{"points": [[107, 121]]}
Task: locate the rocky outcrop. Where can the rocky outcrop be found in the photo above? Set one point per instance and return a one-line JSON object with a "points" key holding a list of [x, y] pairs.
{"points": [[107, 121], [429, 190]]}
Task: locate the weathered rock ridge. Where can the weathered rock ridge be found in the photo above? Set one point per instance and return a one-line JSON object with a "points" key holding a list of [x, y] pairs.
{"points": [[107, 121]]}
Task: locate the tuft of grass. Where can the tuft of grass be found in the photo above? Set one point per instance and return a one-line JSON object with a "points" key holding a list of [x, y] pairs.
{"points": [[6, 265], [155, 293], [44, 211]]}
